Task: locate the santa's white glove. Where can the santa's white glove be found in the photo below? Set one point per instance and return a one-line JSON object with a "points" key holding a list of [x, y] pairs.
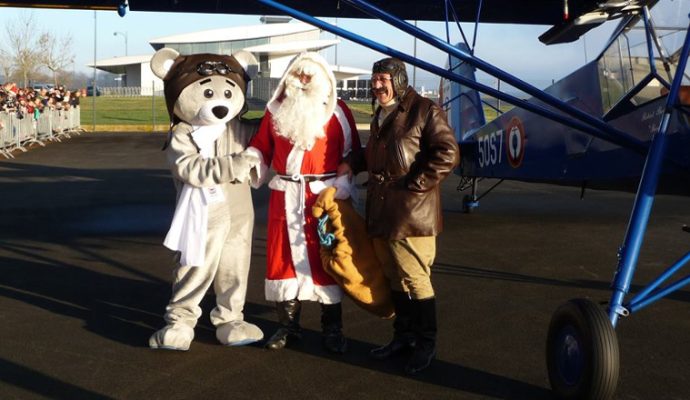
{"points": [[344, 187]]}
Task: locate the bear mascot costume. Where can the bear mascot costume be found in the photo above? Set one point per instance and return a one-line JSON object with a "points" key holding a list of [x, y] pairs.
{"points": [[214, 216]]}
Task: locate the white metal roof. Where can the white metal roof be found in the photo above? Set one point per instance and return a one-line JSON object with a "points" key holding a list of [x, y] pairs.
{"points": [[116, 64], [236, 33], [341, 72], [120, 61], [286, 48]]}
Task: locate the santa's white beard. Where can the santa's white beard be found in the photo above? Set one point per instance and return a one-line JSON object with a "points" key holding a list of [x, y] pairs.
{"points": [[301, 115]]}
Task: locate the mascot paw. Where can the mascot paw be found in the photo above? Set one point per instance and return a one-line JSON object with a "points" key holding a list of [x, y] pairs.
{"points": [[252, 159], [242, 165], [172, 337], [238, 333]]}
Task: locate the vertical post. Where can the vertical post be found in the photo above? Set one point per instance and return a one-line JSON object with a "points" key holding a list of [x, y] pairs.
{"points": [[336, 45], [153, 106], [644, 199], [498, 101], [93, 85]]}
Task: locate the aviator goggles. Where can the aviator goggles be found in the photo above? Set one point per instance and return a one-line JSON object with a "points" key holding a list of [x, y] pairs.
{"points": [[207, 68]]}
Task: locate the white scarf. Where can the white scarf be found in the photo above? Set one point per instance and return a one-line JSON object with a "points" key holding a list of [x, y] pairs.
{"points": [[187, 232]]}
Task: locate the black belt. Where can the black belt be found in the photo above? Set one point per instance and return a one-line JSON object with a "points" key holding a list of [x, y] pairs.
{"points": [[309, 178]]}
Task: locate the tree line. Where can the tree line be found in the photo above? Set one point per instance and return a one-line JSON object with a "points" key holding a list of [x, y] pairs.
{"points": [[30, 53]]}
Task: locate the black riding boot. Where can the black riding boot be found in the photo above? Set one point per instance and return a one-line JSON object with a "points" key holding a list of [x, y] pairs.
{"points": [[288, 317], [403, 336], [332, 328], [424, 326]]}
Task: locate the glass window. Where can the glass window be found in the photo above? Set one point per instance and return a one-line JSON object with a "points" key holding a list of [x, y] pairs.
{"points": [[626, 62], [185, 48], [225, 47]]}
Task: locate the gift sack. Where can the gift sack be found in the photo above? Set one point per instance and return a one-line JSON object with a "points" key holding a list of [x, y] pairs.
{"points": [[350, 257]]}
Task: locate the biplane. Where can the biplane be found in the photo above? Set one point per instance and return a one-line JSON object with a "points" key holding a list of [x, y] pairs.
{"points": [[620, 121]]}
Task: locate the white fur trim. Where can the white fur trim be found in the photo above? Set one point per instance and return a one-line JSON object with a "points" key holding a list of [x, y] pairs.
{"points": [[293, 164], [317, 187], [295, 227], [278, 184], [289, 289]]}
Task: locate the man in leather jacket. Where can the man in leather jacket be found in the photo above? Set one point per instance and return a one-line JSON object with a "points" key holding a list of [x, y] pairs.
{"points": [[411, 149]]}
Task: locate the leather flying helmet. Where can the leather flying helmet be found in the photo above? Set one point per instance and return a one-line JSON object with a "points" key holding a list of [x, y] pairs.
{"points": [[396, 69]]}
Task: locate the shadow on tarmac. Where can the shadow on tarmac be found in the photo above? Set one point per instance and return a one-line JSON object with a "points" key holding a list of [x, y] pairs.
{"points": [[496, 275], [84, 281]]}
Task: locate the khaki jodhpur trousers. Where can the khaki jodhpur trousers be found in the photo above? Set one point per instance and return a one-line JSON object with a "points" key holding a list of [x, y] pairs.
{"points": [[407, 264]]}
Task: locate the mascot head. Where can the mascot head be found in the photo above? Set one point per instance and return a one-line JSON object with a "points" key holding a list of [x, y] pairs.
{"points": [[204, 89]]}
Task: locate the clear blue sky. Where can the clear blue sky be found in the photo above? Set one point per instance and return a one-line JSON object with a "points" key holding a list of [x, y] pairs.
{"points": [[512, 48]]}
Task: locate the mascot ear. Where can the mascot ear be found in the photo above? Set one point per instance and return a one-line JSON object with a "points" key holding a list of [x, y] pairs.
{"points": [[248, 62], [162, 60]]}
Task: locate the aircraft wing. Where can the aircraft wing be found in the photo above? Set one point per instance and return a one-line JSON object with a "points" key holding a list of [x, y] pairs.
{"points": [[570, 29], [539, 12]]}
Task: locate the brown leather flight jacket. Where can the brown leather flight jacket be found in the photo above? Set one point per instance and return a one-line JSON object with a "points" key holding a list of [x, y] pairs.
{"points": [[407, 157]]}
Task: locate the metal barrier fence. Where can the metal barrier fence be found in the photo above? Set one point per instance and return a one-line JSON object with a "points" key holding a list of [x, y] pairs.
{"points": [[18, 131]]}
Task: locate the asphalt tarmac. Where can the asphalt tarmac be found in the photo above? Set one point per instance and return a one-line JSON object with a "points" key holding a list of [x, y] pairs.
{"points": [[84, 280]]}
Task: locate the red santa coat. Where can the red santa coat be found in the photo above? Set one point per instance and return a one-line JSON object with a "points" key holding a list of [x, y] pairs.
{"points": [[292, 233]]}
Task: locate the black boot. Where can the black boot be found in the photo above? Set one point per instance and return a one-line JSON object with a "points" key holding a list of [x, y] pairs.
{"points": [[403, 336], [332, 328], [288, 317], [424, 326]]}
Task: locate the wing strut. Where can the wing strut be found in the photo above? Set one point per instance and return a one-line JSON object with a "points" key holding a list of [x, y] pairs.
{"points": [[608, 130], [604, 132], [644, 199]]}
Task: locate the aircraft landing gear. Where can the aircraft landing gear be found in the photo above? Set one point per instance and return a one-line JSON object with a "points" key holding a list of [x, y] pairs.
{"points": [[469, 203], [582, 354]]}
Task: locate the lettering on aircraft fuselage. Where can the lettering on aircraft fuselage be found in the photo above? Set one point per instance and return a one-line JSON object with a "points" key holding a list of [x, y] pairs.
{"points": [[490, 148], [491, 145], [651, 118]]}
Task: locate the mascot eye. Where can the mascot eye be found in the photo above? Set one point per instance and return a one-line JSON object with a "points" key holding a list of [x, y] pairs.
{"points": [[228, 94], [208, 93]]}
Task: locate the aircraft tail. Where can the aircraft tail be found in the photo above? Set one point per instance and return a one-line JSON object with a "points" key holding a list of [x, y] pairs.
{"points": [[462, 104]]}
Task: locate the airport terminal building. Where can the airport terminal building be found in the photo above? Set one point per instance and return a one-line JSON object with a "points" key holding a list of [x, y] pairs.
{"points": [[274, 43]]}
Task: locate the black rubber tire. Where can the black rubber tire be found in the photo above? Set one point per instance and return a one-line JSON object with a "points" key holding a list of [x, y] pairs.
{"points": [[582, 355], [466, 200]]}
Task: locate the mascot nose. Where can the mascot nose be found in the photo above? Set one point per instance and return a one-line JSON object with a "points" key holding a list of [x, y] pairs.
{"points": [[220, 111]]}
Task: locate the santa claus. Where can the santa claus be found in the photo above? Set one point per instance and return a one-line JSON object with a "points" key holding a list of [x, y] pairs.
{"points": [[305, 134]]}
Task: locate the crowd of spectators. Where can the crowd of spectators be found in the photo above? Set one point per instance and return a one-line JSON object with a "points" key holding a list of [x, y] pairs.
{"points": [[30, 102]]}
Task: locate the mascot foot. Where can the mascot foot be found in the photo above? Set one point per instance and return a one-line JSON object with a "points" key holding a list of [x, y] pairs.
{"points": [[172, 337], [238, 333]]}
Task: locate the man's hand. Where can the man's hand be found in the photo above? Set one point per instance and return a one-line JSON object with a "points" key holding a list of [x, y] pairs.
{"points": [[343, 169]]}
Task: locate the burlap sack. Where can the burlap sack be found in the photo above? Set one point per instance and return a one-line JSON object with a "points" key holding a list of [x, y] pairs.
{"points": [[351, 261]]}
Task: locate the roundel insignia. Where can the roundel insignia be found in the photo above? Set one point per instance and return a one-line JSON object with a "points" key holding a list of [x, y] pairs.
{"points": [[515, 142]]}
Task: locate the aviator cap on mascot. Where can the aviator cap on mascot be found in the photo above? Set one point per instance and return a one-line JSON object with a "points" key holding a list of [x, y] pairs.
{"points": [[179, 72]]}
